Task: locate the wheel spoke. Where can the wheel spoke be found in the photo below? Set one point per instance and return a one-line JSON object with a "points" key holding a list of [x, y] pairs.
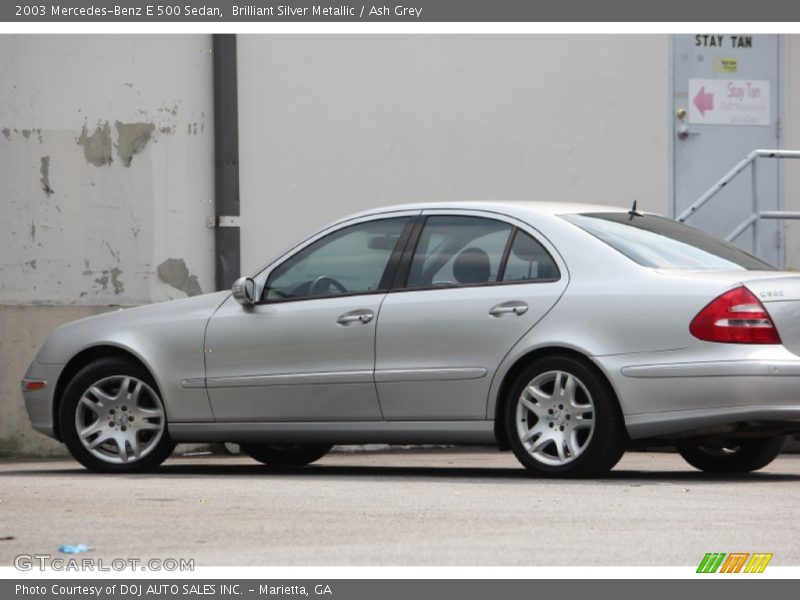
{"points": [[134, 396], [122, 448], [571, 442], [147, 426], [538, 395], [569, 389], [581, 422], [539, 429], [92, 429], [122, 393], [136, 450], [104, 436], [560, 443], [543, 441]]}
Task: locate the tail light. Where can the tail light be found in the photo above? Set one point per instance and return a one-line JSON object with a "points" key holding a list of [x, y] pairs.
{"points": [[735, 317]]}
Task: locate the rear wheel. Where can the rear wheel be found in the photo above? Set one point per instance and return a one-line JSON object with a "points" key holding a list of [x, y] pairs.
{"points": [[740, 457], [285, 455], [562, 419], [113, 420]]}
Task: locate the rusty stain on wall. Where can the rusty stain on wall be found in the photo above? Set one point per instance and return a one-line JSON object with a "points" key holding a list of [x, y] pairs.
{"points": [[44, 169], [96, 147], [174, 272], [131, 139]]}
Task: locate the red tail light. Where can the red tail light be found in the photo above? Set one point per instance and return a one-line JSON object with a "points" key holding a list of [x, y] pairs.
{"points": [[735, 317]]}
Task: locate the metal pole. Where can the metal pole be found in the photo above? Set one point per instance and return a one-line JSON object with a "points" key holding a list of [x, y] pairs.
{"points": [[756, 210], [226, 159]]}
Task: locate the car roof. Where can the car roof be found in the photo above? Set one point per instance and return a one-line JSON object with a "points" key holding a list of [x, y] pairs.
{"points": [[510, 207]]}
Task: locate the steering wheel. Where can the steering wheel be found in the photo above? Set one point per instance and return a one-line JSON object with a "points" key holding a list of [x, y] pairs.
{"points": [[323, 283]]}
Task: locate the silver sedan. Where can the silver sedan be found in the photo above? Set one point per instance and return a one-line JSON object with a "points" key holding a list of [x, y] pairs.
{"points": [[565, 333]]}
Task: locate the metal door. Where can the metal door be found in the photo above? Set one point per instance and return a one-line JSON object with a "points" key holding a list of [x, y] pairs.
{"points": [[725, 104]]}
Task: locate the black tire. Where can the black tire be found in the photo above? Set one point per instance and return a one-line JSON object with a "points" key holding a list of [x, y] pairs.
{"points": [[743, 457], [285, 455], [86, 378], [599, 449]]}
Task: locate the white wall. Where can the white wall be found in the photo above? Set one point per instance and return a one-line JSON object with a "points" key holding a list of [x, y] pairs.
{"points": [[86, 219], [94, 229], [333, 124]]}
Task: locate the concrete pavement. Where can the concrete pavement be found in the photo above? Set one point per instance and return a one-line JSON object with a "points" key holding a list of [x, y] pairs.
{"points": [[446, 507]]}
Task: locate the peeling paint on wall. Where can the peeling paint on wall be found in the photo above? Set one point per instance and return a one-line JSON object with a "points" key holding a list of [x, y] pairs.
{"points": [[97, 147], [131, 139], [26, 133], [174, 272], [7, 133], [44, 169]]}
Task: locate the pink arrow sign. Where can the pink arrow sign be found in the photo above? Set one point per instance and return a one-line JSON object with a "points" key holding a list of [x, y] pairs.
{"points": [[704, 101]]}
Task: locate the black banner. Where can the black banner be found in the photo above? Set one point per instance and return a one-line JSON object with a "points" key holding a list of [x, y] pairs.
{"points": [[386, 589], [407, 11]]}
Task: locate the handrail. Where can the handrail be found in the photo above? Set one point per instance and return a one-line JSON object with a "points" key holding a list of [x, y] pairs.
{"points": [[725, 179], [757, 213]]}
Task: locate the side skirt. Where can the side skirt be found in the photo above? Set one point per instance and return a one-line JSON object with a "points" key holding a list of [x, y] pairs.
{"points": [[362, 432]]}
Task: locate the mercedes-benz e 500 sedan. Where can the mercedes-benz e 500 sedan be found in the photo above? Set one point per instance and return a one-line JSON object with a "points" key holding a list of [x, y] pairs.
{"points": [[566, 333]]}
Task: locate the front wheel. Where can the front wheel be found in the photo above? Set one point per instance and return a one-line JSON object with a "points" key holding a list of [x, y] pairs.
{"points": [[740, 457], [285, 455], [562, 419], [113, 420]]}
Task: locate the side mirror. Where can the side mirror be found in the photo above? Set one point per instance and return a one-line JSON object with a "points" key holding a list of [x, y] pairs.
{"points": [[244, 290]]}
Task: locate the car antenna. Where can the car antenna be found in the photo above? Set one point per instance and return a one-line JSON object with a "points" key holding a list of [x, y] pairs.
{"points": [[633, 212]]}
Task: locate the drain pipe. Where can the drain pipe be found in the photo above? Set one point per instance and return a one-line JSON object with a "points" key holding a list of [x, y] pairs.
{"points": [[227, 260]]}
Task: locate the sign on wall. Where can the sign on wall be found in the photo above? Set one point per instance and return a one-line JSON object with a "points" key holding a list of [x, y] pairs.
{"points": [[729, 102]]}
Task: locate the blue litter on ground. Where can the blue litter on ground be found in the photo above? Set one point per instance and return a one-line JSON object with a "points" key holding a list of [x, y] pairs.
{"points": [[66, 549]]}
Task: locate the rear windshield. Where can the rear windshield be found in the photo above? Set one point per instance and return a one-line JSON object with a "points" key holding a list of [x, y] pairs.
{"points": [[662, 243]]}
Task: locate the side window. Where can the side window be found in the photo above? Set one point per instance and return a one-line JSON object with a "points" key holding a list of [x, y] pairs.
{"points": [[350, 260], [458, 251], [528, 260]]}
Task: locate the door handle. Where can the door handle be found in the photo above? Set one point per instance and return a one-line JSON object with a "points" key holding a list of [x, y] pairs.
{"points": [[362, 316], [514, 307]]}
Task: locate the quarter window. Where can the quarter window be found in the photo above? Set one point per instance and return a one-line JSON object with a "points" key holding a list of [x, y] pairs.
{"points": [[528, 260], [350, 260]]}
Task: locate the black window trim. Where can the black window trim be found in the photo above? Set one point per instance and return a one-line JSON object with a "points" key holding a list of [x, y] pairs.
{"points": [[404, 267]]}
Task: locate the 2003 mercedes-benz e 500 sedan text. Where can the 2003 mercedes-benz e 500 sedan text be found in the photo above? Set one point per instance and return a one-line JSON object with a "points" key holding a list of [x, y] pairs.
{"points": [[566, 333]]}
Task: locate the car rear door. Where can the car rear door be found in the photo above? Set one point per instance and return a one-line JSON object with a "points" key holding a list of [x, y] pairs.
{"points": [[470, 285]]}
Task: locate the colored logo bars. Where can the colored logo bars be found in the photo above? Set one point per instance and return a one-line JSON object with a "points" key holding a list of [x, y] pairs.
{"points": [[735, 562]]}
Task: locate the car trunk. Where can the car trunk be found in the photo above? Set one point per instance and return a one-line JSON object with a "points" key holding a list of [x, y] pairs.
{"points": [[780, 295]]}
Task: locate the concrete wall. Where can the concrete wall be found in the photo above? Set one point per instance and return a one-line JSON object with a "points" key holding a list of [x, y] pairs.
{"points": [[791, 141], [106, 179], [334, 124]]}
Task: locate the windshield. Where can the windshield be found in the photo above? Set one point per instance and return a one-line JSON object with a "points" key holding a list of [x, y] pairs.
{"points": [[662, 243]]}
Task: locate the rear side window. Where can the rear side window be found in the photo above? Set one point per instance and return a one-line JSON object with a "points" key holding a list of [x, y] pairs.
{"points": [[458, 251], [662, 243]]}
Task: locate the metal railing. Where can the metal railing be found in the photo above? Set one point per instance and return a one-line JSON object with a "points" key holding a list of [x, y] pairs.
{"points": [[757, 214]]}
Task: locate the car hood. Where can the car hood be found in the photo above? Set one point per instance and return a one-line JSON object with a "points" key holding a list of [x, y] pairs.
{"points": [[109, 328]]}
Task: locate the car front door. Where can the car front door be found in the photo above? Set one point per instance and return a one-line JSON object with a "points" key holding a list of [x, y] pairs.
{"points": [[305, 352], [473, 286]]}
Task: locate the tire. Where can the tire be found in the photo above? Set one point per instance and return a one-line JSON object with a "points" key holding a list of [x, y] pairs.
{"points": [[110, 405], [744, 457], [577, 434], [285, 455]]}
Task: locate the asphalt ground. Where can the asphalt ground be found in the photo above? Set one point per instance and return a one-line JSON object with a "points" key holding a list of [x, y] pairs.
{"points": [[441, 507]]}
